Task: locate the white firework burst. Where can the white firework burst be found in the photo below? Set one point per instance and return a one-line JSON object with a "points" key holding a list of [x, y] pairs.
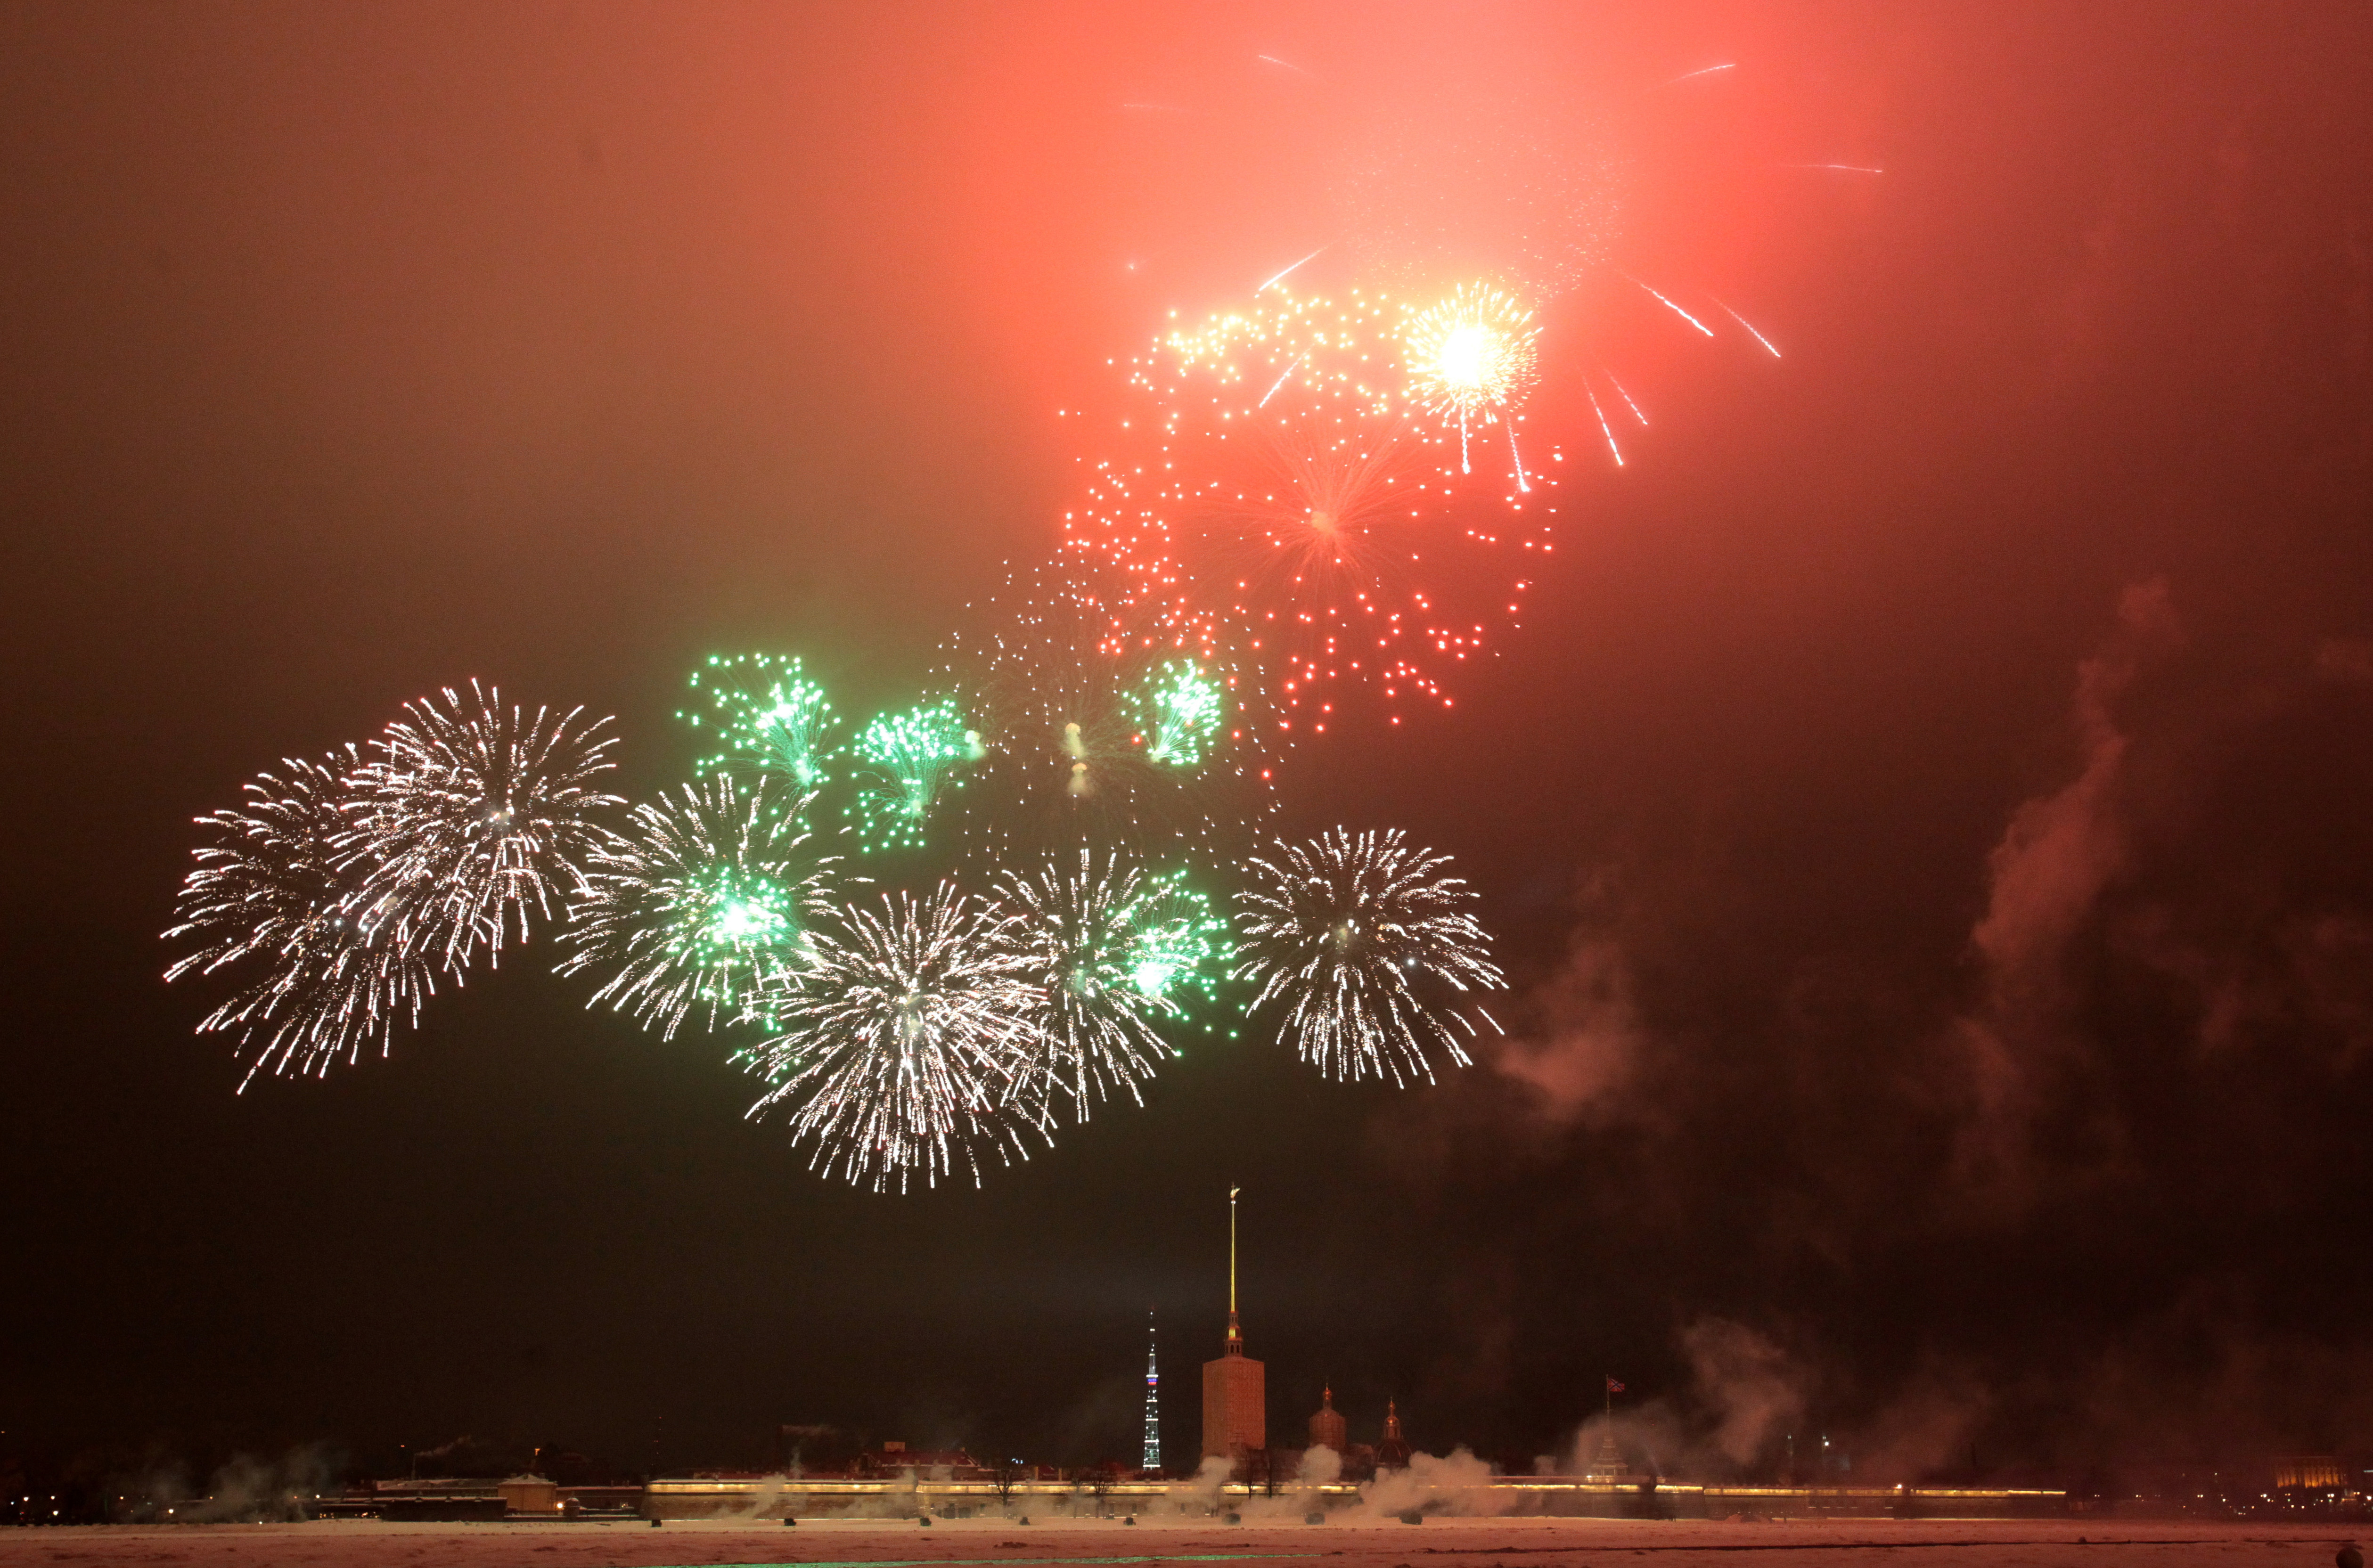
{"points": [[475, 815], [900, 1047], [1369, 952], [1113, 949], [272, 898]]}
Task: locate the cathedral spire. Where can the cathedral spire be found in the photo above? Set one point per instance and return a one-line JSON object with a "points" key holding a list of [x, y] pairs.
{"points": [[1235, 1334]]}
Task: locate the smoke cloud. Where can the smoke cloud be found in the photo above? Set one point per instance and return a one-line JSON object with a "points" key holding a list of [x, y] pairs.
{"points": [[2042, 1188]]}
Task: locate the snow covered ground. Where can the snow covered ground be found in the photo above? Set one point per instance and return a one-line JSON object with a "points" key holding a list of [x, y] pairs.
{"points": [[977, 1543]]}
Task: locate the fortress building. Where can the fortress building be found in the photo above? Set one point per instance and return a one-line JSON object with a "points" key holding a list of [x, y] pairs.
{"points": [[1235, 1392]]}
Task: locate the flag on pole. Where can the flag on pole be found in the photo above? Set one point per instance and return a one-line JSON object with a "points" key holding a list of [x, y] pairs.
{"points": [[1613, 1386]]}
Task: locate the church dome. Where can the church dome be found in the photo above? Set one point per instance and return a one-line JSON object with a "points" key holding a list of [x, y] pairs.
{"points": [[1327, 1428]]}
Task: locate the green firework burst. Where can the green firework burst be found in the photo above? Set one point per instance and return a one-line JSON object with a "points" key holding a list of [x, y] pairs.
{"points": [[1178, 709], [899, 764], [707, 895], [761, 715], [1179, 944], [1115, 950]]}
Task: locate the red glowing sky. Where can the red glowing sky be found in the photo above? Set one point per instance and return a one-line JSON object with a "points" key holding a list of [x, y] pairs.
{"points": [[1924, 809]]}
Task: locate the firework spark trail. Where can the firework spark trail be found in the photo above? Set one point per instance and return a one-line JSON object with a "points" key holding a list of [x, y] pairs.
{"points": [[1279, 385], [271, 898], [1603, 425], [1840, 168], [1179, 709], [700, 902], [1367, 952], [765, 716], [1677, 310], [1280, 277], [1743, 321], [475, 817], [903, 1046], [1112, 946], [1701, 70], [1288, 64], [1626, 397]]}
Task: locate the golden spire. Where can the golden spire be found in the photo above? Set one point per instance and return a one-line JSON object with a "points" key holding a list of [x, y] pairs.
{"points": [[1235, 1335]]}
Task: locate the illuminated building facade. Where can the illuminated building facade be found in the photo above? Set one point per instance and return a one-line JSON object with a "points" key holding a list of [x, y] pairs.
{"points": [[2308, 1471]]}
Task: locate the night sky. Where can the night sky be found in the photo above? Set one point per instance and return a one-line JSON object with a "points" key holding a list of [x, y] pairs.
{"points": [[1928, 812]]}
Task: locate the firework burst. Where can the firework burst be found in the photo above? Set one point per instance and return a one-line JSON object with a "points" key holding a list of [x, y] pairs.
{"points": [[900, 763], [1367, 950], [703, 899], [1471, 361], [901, 1045], [1274, 495], [1093, 741], [1176, 708], [762, 714], [1115, 950], [274, 898], [474, 816]]}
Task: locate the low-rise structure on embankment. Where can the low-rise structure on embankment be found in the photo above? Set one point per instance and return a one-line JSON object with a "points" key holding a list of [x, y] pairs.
{"points": [[912, 1496]]}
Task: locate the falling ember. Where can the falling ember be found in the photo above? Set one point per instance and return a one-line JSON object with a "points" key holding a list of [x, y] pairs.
{"points": [[1279, 385], [1701, 70], [1279, 277], [1627, 398], [1603, 425], [1743, 321], [1676, 309]]}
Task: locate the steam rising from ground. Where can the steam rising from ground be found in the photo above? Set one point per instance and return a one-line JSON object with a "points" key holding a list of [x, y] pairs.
{"points": [[245, 1489], [2136, 1061]]}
